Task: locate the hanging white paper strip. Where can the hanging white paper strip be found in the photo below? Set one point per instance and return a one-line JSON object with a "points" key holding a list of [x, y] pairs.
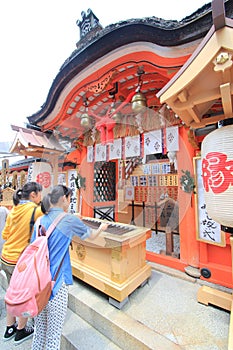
{"points": [[115, 149], [132, 146], [100, 153], [153, 142], [90, 154], [172, 138]]}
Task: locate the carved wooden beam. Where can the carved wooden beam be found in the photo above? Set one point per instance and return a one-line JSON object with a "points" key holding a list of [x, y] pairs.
{"points": [[195, 114], [218, 14], [207, 121], [183, 96], [226, 99], [202, 97]]}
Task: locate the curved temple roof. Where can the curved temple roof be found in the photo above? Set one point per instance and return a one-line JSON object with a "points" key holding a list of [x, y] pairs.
{"points": [[206, 78], [115, 54], [35, 143]]}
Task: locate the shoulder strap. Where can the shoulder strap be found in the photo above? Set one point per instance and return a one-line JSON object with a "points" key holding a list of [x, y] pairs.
{"points": [[32, 221], [49, 231], [54, 223]]}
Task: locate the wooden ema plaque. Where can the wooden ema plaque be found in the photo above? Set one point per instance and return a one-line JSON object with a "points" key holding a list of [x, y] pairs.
{"points": [[114, 262], [7, 197]]}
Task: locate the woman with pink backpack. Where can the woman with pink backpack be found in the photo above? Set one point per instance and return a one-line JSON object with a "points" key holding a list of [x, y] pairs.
{"points": [[49, 322]]}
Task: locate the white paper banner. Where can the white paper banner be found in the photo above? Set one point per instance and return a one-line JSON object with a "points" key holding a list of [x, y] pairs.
{"points": [[115, 149], [72, 174], [132, 146], [100, 153], [153, 142], [172, 138], [90, 154], [208, 229], [61, 179]]}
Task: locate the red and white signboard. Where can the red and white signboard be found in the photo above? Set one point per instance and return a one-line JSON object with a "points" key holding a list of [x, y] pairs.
{"points": [[41, 172]]}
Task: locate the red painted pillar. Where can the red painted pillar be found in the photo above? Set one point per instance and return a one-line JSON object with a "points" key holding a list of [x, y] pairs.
{"points": [[86, 195], [189, 246]]}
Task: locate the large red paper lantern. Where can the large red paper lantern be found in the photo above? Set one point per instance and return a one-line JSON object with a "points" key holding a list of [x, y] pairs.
{"points": [[217, 173]]}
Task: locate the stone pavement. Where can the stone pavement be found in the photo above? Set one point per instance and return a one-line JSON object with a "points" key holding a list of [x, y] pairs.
{"points": [[164, 311], [9, 345]]}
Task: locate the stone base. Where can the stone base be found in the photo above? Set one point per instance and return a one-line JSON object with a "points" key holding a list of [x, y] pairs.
{"points": [[192, 271]]}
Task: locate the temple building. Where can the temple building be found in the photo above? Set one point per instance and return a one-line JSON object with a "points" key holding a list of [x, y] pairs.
{"points": [[127, 114]]}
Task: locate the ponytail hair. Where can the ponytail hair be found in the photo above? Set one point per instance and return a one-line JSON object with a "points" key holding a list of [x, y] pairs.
{"points": [[25, 192], [45, 204], [17, 196], [54, 196]]}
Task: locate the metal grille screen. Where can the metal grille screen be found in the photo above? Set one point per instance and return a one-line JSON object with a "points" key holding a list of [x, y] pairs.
{"points": [[104, 182]]}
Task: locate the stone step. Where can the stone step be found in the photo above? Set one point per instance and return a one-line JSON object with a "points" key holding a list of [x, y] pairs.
{"points": [[124, 331], [78, 334]]}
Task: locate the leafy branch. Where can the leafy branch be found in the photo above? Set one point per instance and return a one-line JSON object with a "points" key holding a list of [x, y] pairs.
{"points": [[80, 182], [187, 182]]}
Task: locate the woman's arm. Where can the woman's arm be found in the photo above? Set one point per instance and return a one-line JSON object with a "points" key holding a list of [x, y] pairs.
{"points": [[95, 233]]}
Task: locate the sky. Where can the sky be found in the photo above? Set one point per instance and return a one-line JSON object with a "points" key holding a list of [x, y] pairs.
{"points": [[38, 36]]}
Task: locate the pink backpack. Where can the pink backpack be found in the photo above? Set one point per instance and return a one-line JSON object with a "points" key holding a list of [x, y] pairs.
{"points": [[31, 283]]}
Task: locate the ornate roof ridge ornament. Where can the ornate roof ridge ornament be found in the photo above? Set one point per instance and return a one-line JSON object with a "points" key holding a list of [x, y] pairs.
{"points": [[89, 23]]}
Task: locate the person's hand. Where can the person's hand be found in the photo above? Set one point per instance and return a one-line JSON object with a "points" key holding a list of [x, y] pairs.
{"points": [[95, 233], [103, 226]]}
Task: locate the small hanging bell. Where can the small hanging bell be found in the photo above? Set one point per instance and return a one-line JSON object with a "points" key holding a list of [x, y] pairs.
{"points": [[117, 116], [138, 102], [85, 120]]}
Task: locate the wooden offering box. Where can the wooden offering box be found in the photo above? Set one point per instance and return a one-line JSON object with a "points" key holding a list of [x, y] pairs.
{"points": [[114, 263]]}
